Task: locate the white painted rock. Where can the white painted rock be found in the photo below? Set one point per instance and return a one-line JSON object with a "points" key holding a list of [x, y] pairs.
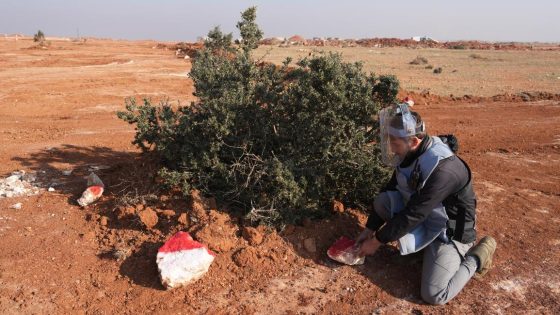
{"points": [[182, 260]]}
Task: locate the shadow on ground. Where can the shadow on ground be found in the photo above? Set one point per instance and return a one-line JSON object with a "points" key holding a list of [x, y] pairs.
{"points": [[141, 267], [395, 274], [50, 165]]}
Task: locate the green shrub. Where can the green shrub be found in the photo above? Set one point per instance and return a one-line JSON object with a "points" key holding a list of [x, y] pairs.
{"points": [[276, 142], [39, 36]]}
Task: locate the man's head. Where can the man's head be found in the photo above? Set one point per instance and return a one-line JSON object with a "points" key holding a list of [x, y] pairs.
{"points": [[401, 146]]}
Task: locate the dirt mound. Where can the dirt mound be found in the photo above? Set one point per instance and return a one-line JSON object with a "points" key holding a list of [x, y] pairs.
{"points": [[253, 235], [247, 257], [184, 49], [426, 98], [218, 232], [410, 43]]}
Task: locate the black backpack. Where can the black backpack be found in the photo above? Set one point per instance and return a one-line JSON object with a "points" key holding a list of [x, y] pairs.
{"points": [[451, 141]]}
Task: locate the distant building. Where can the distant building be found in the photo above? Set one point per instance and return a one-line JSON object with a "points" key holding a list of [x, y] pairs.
{"points": [[423, 39], [296, 39]]}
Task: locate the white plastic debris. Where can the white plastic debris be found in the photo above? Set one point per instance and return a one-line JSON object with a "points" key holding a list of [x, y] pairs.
{"points": [[16, 206], [18, 184], [11, 180], [51, 189], [94, 168], [93, 192], [182, 260], [344, 251], [67, 172]]}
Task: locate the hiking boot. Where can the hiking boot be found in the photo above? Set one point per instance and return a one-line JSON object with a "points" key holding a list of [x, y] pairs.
{"points": [[484, 251]]}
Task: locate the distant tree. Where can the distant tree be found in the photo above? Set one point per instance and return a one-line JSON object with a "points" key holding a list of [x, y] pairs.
{"points": [[39, 36], [217, 41], [249, 30]]}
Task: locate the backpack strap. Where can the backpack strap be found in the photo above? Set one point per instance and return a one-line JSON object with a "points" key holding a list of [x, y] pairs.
{"points": [[456, 228]]}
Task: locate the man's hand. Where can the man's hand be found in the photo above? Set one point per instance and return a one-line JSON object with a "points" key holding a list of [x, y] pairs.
{"points": [[365, 235], [369, 247]]}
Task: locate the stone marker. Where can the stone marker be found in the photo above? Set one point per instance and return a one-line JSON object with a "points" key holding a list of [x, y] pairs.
{"points": [[182, 260]]}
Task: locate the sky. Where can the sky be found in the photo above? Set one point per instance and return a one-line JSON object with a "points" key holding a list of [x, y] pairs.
{"points": [[176, 20]]}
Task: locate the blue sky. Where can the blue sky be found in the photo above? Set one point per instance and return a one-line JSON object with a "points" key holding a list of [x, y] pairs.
{"points": [[493, 20]]}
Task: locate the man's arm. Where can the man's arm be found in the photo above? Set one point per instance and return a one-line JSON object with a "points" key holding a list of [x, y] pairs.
{"points": [[439, 185]]}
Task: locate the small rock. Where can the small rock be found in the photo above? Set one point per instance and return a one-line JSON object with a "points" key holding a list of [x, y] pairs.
{"points": [[198, 206], [103, 221], [120, 254], [16, 206], [289, 229], [252, 235], [125, 212], [51, 189], [148, 217], [338, 207], [246, 257], [211, 203], [67, 172], [29, 177], [183, 219], [167, 213], [94, 168], [310, 245]]}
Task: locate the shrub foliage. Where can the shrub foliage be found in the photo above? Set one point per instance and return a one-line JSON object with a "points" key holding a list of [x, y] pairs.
{"points": [[276, 142]]}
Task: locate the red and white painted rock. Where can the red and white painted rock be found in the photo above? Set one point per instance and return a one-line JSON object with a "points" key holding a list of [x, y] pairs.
{"points": [[93, 192], [409, 101], [343, 251], [182, 260]]}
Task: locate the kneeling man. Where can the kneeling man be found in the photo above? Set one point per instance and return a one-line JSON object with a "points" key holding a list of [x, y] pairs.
{"points": [[428, 204]]}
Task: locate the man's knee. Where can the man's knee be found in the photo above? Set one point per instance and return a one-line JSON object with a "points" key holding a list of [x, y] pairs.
{"points": [[434, 296]]}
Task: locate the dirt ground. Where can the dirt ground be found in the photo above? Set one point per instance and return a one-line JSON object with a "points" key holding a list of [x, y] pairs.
{"points": [[57, 112]]}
